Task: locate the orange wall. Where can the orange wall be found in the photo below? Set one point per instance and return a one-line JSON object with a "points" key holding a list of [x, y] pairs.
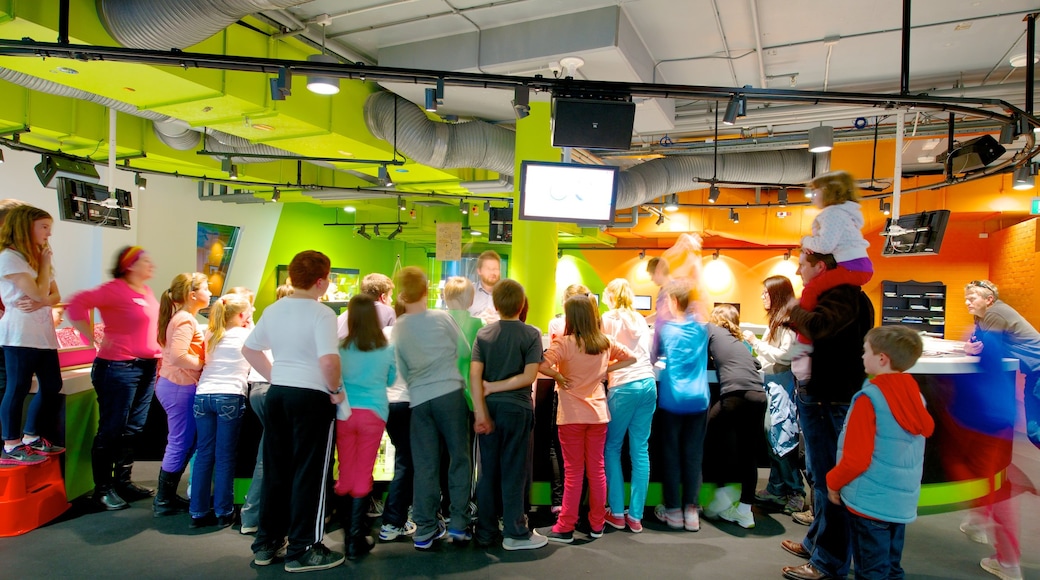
{"points": [[1015, 268]]}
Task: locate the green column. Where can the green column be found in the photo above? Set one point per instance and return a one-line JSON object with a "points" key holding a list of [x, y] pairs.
{"points": [[533, 260]]}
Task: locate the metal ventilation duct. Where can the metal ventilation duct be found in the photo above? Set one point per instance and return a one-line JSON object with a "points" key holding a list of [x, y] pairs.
{"points": [[168, 24]]}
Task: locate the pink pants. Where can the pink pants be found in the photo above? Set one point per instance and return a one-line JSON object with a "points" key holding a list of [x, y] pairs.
{"points": [[357, 442], [582, 447]]}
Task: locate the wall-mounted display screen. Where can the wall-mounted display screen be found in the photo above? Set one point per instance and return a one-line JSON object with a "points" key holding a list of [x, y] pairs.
{"points": [[568, 192], [643, 302]]}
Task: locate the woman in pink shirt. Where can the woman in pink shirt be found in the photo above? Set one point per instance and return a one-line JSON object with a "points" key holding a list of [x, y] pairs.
{"points": [[183, 353], [123, 373], [582, 357]]}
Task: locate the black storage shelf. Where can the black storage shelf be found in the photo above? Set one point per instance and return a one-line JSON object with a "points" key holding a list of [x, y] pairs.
{"points": [[918, 305]]}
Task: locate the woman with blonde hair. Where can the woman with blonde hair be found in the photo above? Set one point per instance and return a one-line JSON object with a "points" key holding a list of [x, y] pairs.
{"points": [[183, 354], [632, 400], [30, 346], [220, 405]]}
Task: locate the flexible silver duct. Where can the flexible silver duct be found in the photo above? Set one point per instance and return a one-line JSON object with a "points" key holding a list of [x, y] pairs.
{"points": [[45, 86], [657, 177], [168, 24], [176, 134], [214, 143], [473, 144]]}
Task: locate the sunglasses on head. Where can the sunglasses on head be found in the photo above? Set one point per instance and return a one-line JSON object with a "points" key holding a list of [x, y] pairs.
{"points": [[983, 284]]}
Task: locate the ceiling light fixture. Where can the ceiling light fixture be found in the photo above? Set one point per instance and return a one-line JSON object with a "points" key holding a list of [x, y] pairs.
{"points": [[713, 193], [350, 209], [521, 101], [233, 172], [1023, 178], [737, 107], [139, 180], [673, 203], [384, 177], [660, 219], [393, 234], [715, 255], [276, 195], [1022, 59], [400, 204], [361, 232], [734, 216], [463, 207], [642, 254], [782, 197], [376, 230], [431, 100], [821, 139], [787, 255], [317, 83], [476, 233], [281, 85], [885, 207]]}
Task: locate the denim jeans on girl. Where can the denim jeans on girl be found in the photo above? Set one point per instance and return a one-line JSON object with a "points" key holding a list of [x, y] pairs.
{"points": [[22, 363], [124, 390], [178, 401], [632, 408], [218, 420]]}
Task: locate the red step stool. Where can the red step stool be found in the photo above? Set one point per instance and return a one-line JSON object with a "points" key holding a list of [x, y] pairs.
{"points": [[30, 496]]}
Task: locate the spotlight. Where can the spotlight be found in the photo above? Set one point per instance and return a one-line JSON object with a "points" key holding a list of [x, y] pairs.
{"points": [[276, 195], [660, 219], [225, 165], [885, 207], [734, 216], [376, 230], [715, 255], [431, 100], [737, 107], [233, 172], [1007, 133], [393, 234], [487, 206], [139, 180], [361, 232], [320, 84], [782, 197], [384, 177], [1023, 178], [642, 254], [672, 203], [713, 193], [463, 207], [787, 255], [521, 101], [400, 204], [821, 139], [281, 85]]}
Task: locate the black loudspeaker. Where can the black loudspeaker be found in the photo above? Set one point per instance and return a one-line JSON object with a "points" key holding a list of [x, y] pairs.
{"points": [[592, 124], [972, 154]]}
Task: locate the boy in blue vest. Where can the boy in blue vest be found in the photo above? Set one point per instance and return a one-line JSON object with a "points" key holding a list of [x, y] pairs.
{"points": [[881, 453]]}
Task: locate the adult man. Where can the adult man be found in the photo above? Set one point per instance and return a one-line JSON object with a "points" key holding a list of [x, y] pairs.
{"points": [[489, 270], [837, 327]]}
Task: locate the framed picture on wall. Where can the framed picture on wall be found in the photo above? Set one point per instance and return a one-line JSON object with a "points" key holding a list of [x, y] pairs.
{"points": [[214, 248]]}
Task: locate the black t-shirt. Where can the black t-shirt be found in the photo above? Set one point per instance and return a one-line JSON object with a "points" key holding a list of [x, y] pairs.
{"points": [[736, 366], [506, 347]]}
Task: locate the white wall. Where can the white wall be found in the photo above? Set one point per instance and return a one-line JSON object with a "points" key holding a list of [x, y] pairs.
{"points": [[163, 222]]}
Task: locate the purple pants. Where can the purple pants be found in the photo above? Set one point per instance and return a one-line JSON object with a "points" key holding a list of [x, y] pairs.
{"points": [[178, 402]]}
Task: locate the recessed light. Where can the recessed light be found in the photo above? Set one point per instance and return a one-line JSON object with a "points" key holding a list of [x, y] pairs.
{"points": [[1020, 60], [64, 70], [345, 153], [263, 127], [475, 233], [350, 209]]}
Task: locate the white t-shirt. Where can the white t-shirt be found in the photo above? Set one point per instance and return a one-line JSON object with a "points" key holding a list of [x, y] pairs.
{"points": [[397, 392], [226, 370], [298, 332], [29, 329]]}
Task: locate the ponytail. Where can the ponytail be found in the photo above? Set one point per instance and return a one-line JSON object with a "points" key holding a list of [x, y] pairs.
{"points": [[220, 315], [174, 298]]}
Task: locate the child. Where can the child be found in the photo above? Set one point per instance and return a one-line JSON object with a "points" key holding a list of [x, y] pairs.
{"points": [[506, 355], [368, 369], [581, 358], [427, 346], [30, 346], [458, 297], [220, 405], [887, 419]]}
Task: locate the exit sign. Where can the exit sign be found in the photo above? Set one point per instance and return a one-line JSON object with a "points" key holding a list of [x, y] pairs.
{"points": [[1034, 208]]}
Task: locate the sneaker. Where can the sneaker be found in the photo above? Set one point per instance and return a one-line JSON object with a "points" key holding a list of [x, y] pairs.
{"points": [[534, 542], [764, 496], [975, 532], [691, 519], [805, 518], [672, 517], [733, 514], [265, 556], [617, 522], [318, 557], [43, 447], [562, 537], [21, 455], [795, 503], [596, 533], [993, 566], [389, 533], [720, 503], [249, 530], [635, 526], [375, 508], [459, 537], [428, 542]]}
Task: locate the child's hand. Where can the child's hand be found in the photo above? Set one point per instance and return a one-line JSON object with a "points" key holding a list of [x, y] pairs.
{"points": [[834, 496], [563, 382], [483, 426]]}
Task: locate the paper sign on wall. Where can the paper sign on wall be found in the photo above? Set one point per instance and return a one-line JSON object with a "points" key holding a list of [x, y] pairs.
{"points": [[449, 241]]}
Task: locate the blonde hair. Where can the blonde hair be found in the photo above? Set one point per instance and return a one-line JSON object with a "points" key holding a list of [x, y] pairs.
{"points": [[458, 293], [175, 297], [727, 316], [283, 291], [16, 233], [621, 295], [220, 315], [835, 188]]}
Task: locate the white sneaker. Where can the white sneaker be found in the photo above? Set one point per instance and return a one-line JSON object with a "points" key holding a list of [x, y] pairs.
{"points": [[534, 542], [975, 532], [389, 533], [732, 514], [993, 566]]}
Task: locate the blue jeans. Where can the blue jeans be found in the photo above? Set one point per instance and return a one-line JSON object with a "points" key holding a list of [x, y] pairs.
{"points": [[218, 420], [828, 536], [250, 513], [784, 478], [632, 407], [877, 547], [399, 496], [124, 392], [21, 364]]}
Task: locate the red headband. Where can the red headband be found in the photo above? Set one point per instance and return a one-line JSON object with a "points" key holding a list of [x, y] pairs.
{"points": [[130, 257]]}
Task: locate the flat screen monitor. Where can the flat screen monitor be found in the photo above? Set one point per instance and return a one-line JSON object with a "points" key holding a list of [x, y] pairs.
{"points": [[643, 302], [568, 192], [921, 234]]}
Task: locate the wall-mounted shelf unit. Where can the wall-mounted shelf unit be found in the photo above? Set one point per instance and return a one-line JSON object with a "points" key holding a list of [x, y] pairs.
{"points": [[918, 305]]}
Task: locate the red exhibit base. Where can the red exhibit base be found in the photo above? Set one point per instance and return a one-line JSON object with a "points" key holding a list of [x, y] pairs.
{"points": [[30, 496]]}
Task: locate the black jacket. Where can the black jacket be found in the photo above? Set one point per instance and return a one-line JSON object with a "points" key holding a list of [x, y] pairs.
{"points": [[836, 327]]}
